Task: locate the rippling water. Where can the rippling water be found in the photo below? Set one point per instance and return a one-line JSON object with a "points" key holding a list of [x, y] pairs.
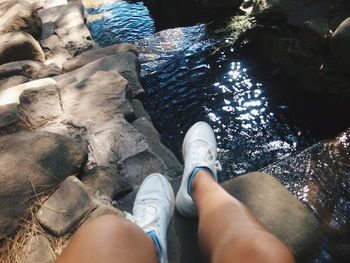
{"points": [[189, 76]]}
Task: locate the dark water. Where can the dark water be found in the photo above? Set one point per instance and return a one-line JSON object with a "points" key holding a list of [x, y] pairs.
{"points": [[258, 116]]}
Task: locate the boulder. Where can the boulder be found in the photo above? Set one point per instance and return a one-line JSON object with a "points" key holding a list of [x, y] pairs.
{"points": [[40, 105], [12, 81], [55, 51], [294, 12], [16, 15], [279, 211], [38, 250], [95, 54], [126, 64], [19, 46], [315, 34], [96, 99], [340, 43], [139, 110], [43, 4], [9, 116], [29, 69], [234, 4], [11, 95], [104, 210], [65, 207], [31, 162], [103, 181]]}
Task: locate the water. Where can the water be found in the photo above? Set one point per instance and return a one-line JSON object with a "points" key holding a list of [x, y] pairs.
{"points": [[258, 117]]}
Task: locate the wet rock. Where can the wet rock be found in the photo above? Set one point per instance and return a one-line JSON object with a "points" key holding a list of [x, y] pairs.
{"points": [[38, 250], [315, 34], [137, 167], [126, 64], [222, 3], [11, 95], [8, 116], [339, 44], [294, 12], [18, 15], [139, 110], [279, 211], [114, 140], [19, 46], [31, 162], [97, 99], [145, 127], [40, 105], [104, 210], [104, 181], [29, 69], [65, 207], [92, 55], [12, 81]]}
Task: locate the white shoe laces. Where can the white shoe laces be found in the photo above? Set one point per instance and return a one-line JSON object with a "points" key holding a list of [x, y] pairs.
{"points": [[200, 152]]}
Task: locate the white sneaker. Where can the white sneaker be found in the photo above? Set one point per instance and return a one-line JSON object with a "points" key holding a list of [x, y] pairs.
{"points": [[199, 150], [153, 210]]}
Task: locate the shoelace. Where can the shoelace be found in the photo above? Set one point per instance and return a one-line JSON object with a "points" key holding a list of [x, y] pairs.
{"points": [[200, 151]]}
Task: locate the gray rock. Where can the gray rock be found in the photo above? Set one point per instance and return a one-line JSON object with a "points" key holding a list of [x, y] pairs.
{"points": [[126, 64], [12, 81], [340, 43], [112, 141], [139, 110], [145, 127], [40, 105], [11, 95], [19, 46], [29, 69], [137, 167], [92, 55], [43, 4], [234, 4], [8, 116], [315, 34], [295, 12], [65, 207], [104, 181], [38, 250], [55, 51], [104, 210], [97, 99], [18, 15], [279, 211], [31, 162]]}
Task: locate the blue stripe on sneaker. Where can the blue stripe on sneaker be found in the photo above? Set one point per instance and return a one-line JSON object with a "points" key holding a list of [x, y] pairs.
{"points": [[196, 170], [156, 242]]}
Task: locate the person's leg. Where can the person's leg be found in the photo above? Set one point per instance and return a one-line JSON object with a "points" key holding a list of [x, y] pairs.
{"points": [[228, 231], [110, 239]]}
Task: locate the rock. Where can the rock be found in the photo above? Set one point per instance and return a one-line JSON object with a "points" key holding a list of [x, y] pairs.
{"points": [[40, 105], [8, 116], [137, 167], [104, 181], [16, 15], [126, 64], [105, 210], [65, 207], [139, 110], [234, 4], [113, 141], [31, 162], [96, 99], [279, 211], [29, 69], [19, 46], [38, 250], [295, 12], [11, 95], [12, 81], [339, 44], [55, 51], [145, 127], [315, 34], [92, 55]]}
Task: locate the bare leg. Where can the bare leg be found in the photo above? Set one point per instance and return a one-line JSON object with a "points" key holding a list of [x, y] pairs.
{"points": [[228, 231], [110, 239]]}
